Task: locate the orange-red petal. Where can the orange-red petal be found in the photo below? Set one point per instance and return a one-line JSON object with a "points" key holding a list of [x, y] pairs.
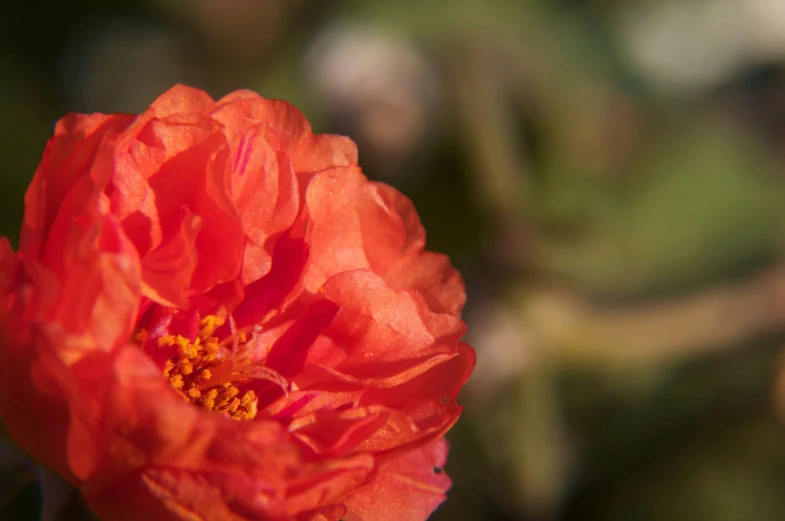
{"points": [[358, 224], [406, 489]]}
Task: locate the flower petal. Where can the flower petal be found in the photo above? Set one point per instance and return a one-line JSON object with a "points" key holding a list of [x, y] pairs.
{"points": [[180, 99], [181, 163], [162, 494], [321, 152], [441, 382], [70, 154], [243, 109], [378, 324], [288, 354], [265, 192], [167, 271], [263, 295], [406, 489], [91, 270], [358, 224]]}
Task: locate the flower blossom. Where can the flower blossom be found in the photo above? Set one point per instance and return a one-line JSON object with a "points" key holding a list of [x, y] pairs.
{"points": [[212, 314]]}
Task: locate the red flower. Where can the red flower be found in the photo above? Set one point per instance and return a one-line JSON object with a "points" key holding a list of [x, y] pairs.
{"points": [[214, 315]]}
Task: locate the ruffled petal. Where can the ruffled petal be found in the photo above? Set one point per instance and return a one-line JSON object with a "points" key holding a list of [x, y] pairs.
{"points": [[162, 494], [274, 291], [377, 324], [26, 396], [439, 383], [88, 268], [69, 155], [177, 165], [335, 433], [321, 152], [265, 191], [431, 274], [289, 132], [288, 354], [243, 109], [167, 271], [406, 489], [180, 99], [358, 224], [91, 270], [327, 482]]}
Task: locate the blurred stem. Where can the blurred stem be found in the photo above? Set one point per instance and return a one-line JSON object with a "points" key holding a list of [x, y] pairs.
{"points": [[540, 460], [484, 107], [494, 146], [717, 318]]}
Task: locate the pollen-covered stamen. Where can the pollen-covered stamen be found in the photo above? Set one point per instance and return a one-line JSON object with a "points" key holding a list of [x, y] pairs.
{"points": [[202, 371]]}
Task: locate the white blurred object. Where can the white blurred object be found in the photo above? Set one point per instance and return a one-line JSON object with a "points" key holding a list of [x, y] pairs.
{"points": [[767, 27], [685, 46], [377, 80], [506, 345]]}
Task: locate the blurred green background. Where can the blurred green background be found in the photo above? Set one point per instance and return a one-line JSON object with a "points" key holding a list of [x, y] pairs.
{"points": [[609, 176]]}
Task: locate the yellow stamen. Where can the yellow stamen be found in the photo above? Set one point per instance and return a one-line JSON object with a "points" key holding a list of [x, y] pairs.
{"points": [[209, 324], [194, 363], [176, 381]]}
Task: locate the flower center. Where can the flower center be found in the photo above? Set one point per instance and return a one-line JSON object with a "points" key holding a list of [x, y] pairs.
{"points": [[201, 372]]}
